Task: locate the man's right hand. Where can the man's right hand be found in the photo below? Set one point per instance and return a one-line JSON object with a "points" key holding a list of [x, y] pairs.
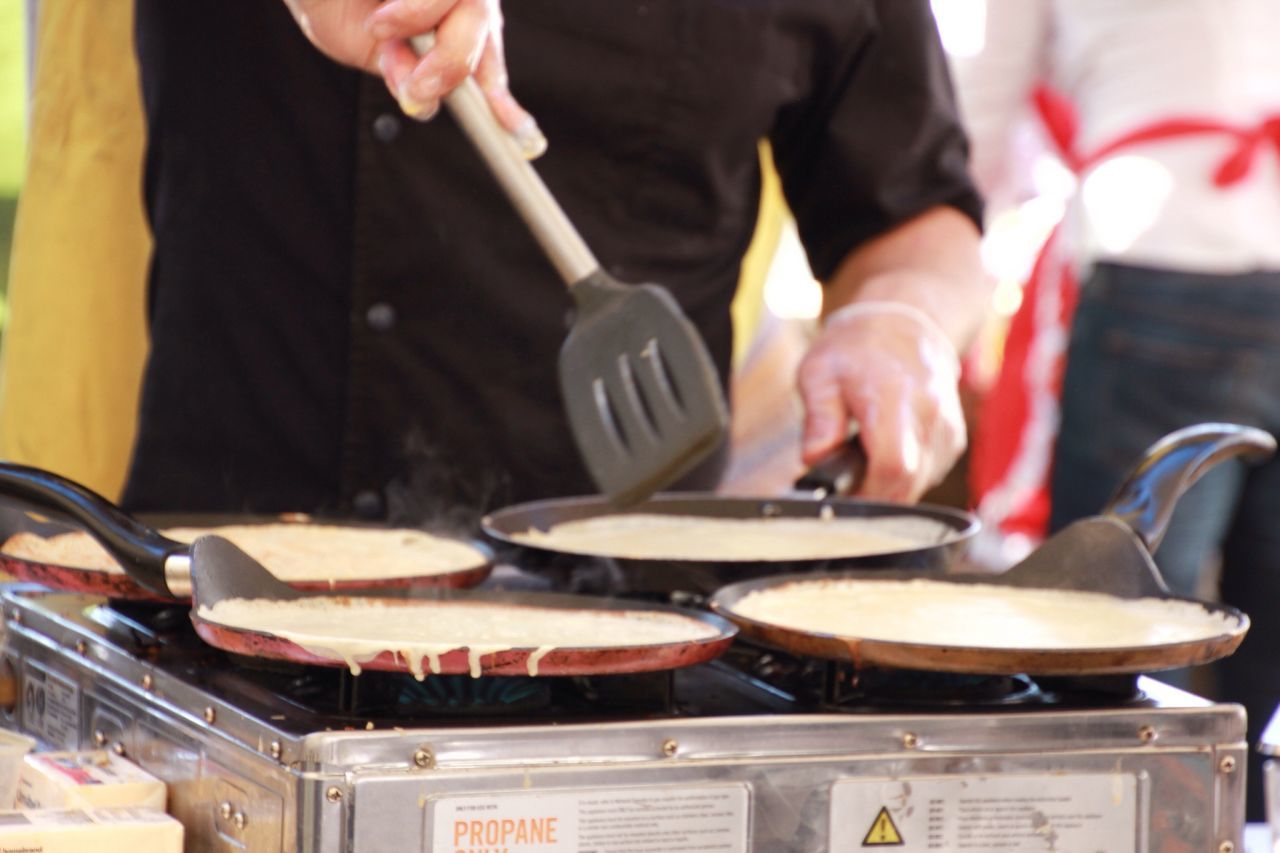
{"points": [[374, 36]]}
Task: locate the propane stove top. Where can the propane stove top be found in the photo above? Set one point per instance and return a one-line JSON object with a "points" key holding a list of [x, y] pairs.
{"points": [[758, 751], [749, 679]]}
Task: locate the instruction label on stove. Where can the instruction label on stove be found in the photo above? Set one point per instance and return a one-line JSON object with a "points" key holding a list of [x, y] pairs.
{"points": [[692, 819], [1005, 813], [50, 707]]}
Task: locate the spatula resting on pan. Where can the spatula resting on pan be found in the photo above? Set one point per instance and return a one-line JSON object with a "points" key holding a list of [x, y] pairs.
{"points": [[643, 397]]}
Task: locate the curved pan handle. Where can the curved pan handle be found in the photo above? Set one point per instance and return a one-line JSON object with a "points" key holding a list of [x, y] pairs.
{"points": [[840, 472], [1146, 499], [153, 560]]}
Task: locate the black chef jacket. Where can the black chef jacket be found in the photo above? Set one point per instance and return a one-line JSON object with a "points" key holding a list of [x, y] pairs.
{"points": [[347, 316]]}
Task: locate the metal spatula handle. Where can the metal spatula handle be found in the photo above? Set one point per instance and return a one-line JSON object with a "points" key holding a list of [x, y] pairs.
{"points": [[536, 205]]}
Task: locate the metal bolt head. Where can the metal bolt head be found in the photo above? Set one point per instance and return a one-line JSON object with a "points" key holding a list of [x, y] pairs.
{"points": [[276, 749], [1227, 764], [82, 648], [1227, 847], [224, 810], [424, 759], [210, 715], [910, 740], [670, 747], [15, 617], [333, 795], [1147, 734], [148, 682], [239, 820], [118, 748], [99, 738]]}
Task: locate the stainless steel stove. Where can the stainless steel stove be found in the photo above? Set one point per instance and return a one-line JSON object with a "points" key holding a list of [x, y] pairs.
{"points": [[756, 752]]}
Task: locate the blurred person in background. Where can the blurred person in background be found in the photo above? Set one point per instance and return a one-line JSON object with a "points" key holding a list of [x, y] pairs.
{"points": [[1168, 111], [344, 309]]}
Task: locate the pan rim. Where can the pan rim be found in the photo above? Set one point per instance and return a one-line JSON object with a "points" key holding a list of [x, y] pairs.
{"points": [[936, 657], [515, 658], [960, 526]]}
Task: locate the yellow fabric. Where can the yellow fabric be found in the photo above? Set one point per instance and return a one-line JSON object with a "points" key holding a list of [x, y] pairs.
{"points": [[748, 302], [75, 338]]}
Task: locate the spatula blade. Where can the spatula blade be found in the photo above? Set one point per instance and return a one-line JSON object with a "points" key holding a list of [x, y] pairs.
{"points": [[642, 394]]}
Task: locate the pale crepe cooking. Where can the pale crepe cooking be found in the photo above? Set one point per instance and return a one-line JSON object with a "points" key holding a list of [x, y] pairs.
{"points": [[291, 552], [980, 615], [652, 536], [356, 630]]}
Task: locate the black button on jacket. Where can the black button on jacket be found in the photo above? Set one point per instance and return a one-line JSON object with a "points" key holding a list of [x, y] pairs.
{"points": [[343, 303]]}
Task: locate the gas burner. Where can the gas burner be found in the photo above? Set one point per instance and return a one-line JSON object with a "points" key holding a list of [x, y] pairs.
{"points": [[820, 685], [878, 689]]}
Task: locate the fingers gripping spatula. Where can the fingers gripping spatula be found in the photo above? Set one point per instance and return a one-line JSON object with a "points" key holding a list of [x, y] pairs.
{"points": [[643, 397]]}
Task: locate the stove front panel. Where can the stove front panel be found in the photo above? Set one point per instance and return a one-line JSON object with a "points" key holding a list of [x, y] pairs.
{"points": [[806, 784]]}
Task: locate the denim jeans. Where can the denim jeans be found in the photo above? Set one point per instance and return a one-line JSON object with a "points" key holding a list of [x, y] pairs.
{"points": [[1152, 351]]}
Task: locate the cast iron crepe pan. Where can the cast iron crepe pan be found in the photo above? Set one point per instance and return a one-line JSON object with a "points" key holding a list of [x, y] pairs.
{"points": [[940, 533], [1109, 553], [222, 571], [155, 567]]}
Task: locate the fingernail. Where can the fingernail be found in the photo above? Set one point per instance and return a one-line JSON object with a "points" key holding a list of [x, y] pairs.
{"points": [[530, 139], [427, 88], [416, 109], [380, 29]]}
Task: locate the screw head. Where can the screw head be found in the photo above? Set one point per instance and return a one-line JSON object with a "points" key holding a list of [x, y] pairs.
{"points": [[1227, 847], [224, 810], [910, 740], [1148, 734], [670, 747], [239, 820], [99, 738], [210, 715], [15, 617], [424, 758], [1227, 764], [118, 748], [82, 648], [333, 795], [276, 749], [148, 682]]}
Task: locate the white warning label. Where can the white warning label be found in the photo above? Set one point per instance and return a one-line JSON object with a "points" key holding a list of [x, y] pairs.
{"points": [[993, 814], [692, 819]]}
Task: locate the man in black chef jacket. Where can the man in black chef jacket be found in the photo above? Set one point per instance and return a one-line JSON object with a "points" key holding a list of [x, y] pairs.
{"points": [[348, 317]]}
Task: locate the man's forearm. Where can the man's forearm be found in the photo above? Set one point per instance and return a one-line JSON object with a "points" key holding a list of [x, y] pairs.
{"points": [[930, 263]]}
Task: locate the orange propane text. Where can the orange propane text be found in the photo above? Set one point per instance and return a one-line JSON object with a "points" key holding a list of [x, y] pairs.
{"points": [[494, 835]]}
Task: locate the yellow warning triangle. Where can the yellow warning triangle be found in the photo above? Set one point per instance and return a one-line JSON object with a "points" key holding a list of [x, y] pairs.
{"points": [[883, 832]]}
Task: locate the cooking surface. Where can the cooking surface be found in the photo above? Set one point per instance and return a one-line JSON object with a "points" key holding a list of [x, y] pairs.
{"points": [[749, 680]]}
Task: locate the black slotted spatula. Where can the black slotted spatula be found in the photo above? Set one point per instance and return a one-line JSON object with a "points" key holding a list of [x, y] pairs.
{"points": [[642, 394]]}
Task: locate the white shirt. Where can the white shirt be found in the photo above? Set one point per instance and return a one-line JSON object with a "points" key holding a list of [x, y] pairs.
{"points": [[1127, 63]]}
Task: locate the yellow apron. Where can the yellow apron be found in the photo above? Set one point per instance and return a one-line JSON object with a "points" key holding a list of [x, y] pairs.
{"points": [[75, 336]]}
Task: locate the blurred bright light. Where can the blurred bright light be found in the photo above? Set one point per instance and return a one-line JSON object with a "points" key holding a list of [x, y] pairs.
{"points": [[1051, 177], [962, 25], [790, 291], [1122, 199]]}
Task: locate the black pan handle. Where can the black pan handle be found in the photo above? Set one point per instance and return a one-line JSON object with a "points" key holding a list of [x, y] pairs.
{"points": [[1147, 497], [140, 550], [840, 472]]}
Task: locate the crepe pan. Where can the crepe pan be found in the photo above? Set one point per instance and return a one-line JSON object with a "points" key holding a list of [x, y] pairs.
{"points": [[155, 566], [1109, 553], [222, 571], [941, 533]]}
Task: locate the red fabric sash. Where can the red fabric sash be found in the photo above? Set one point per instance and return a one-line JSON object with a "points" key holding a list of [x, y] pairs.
{"points": [[1017, 423]]}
